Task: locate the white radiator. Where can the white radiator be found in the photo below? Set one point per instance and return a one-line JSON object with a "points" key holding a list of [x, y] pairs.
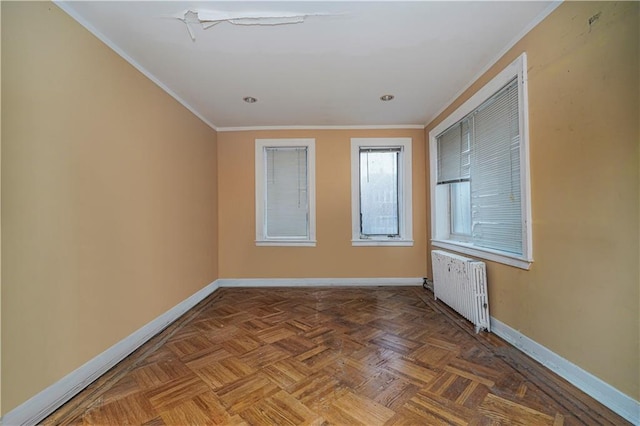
{"points": [[461, 283]]}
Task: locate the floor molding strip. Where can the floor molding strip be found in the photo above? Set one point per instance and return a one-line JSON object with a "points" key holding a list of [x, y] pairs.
{"points": [[609, 396], [44, 403], [318, 282]]}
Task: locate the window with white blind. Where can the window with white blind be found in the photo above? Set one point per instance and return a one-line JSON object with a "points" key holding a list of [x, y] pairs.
{"points": [[480, 173], [285, 192], [381, 191]]}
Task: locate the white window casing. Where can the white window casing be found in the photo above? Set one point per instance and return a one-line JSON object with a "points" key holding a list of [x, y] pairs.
{"points": [[497, 167], [402, 233], [285, 192]]}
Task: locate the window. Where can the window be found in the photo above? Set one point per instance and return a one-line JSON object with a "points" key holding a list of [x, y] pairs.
{"points": [[381, 191], [285, 192], [480, 173]]}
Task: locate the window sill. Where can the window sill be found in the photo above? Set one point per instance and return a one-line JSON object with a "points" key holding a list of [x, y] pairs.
{"points": [[285, 243], [486, 254], [382, 243]]}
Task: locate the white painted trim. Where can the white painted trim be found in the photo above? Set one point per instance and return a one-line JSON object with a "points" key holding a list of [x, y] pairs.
{"points": [[606, 394], [382, 243], [64, 5], [286, 243], [546, 12], [261, 192], [405, 196], [440, 237], [44, 403], [486, 254], [318, 282], [310, 127]]}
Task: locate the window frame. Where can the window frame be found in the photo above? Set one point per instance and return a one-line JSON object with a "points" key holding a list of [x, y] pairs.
{"points": [[405, 216], [440, 204], [260, 192]]}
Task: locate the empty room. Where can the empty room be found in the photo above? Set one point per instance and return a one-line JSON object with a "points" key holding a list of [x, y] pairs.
{"points": [[377, 213]]}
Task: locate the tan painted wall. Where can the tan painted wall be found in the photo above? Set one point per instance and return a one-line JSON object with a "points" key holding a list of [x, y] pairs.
{"points": [[108, 189], [0, 216], [581, 297], [108, 199], [333, 257]]}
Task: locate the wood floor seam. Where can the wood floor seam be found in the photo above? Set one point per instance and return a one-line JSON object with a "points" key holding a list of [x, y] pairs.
{"points": [[323, 356]]}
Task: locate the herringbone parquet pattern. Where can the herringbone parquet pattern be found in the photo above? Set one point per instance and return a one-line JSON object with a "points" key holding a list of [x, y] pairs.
{"points": [[372, 356]]}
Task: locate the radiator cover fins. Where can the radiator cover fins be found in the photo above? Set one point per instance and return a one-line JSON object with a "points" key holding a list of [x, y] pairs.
{"points": [[461, 283]]}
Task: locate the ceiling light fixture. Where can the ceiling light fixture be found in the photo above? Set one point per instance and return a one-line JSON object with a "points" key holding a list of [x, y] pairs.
{"points": [[386, 98], [250, 99]]}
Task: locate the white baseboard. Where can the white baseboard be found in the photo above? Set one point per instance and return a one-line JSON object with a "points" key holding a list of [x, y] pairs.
{"points": [[44, 403], [606, 394], [318, 282]]}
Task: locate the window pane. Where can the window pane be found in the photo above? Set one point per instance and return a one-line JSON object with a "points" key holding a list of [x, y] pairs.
{"points": [[379, 192], [286, 192], [460, 196]]}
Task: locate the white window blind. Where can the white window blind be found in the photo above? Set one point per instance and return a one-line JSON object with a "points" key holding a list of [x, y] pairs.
{"points": [[453, 153], [287, 195], [495, 182], [484, 149]]}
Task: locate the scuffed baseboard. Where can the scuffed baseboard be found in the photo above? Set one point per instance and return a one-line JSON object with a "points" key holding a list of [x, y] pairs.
{"points": [[47, 401], [606, 394], [44, 403], [318, 282]]}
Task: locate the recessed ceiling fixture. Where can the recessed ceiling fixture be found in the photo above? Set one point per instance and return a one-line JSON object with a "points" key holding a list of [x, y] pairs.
{"points": [[250, 99], [386, 98]]}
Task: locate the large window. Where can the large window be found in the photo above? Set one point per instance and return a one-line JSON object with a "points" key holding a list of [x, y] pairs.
{"points": [[479, 173], [285, 192], [381, 191]]}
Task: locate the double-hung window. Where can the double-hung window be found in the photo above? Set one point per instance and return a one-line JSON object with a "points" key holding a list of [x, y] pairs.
{"points": [[381, 191], [480, 173], [285, 192]]}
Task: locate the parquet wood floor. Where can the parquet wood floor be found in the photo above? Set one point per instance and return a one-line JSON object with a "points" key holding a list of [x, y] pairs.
{"points": [[319, 356]]}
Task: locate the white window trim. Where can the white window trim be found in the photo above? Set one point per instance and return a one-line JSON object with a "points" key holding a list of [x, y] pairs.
{"points": [[406, 216], [440, 230], [261, 239]]}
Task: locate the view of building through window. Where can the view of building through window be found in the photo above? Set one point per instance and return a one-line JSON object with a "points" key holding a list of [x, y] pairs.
{"points": [[379, 191]]}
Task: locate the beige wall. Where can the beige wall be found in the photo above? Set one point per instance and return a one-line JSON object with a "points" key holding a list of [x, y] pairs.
{"points": [[581, 297], [0, 217], [112, 194], [333, 257], [108, 199]]}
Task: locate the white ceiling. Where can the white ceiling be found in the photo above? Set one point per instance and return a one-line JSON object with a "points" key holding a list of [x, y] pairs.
{"points": [[329, 70]]}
